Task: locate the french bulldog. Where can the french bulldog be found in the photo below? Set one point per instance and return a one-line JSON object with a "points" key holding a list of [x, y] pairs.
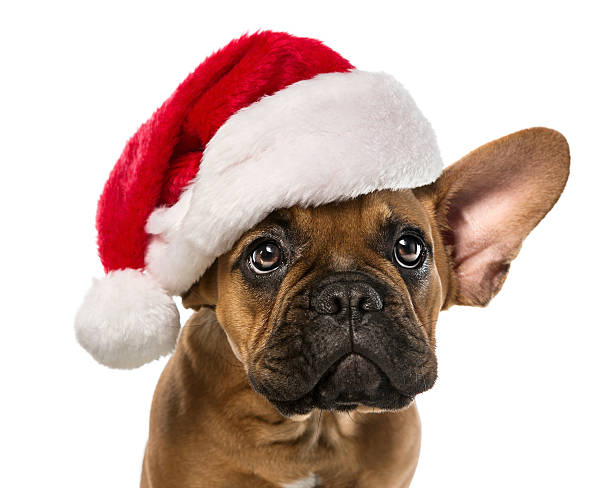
{"points": [[314, 334]]}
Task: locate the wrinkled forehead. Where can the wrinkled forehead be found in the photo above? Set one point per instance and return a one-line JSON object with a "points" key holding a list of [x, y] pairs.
{"points": [[334, 224]]}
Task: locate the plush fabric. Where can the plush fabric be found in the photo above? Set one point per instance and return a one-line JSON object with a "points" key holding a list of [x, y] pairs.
{"points": [[329, 138], [267, 122], [127, 320], [165, 154]]}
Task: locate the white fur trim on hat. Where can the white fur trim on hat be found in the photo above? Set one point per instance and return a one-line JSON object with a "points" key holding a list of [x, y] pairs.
{"points": [[127, 320], [333, 137]]}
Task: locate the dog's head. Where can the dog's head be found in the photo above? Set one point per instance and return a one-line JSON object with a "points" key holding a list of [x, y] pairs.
{"points": [[335, 307]]}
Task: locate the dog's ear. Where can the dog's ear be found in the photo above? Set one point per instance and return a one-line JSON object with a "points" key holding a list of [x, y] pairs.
{"points": [[203, 293], [490, 200]]}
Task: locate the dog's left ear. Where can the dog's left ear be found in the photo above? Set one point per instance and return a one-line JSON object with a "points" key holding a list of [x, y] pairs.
{"points": [[490, 200], [203, 293]]}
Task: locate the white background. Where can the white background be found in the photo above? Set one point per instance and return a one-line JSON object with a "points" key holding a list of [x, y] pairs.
{"points": [[523, 397]]}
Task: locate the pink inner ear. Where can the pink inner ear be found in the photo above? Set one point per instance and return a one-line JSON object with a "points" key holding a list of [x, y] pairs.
{"points": [[493, 198], [485, 219]]}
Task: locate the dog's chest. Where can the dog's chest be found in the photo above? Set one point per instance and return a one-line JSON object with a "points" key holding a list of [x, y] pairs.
{"points": [[308, 482]]}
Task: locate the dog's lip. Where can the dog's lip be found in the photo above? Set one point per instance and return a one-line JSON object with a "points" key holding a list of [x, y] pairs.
{"points": [[312, 401], [348, 394], [308, 389], [330, 366]]}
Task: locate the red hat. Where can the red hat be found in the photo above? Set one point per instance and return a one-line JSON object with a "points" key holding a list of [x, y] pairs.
{"points": [[189, 182]]}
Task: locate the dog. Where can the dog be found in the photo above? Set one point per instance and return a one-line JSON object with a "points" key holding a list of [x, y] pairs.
{"points": [[313, 335]]}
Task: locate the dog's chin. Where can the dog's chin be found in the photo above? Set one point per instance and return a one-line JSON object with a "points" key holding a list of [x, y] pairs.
{"points": [[352, 382]]}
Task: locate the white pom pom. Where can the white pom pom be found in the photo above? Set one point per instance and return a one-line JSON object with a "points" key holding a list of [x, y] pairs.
{"points": [[127, 320]]}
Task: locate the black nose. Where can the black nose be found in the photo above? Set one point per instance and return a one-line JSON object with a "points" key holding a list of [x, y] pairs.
{"points": [[342, 296]]}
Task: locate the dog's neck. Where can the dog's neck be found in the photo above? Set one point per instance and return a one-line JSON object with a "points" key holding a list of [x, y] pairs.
{"points": [[205, 408]]}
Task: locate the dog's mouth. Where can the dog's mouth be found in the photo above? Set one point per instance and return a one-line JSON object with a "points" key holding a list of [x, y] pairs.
{"points": [[352, 381]]}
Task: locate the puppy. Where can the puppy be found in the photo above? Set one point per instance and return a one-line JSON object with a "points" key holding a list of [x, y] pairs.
{"points": [[314, 334]]}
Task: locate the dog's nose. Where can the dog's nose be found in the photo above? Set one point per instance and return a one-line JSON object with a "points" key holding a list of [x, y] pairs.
{"points": [[341, 296]]}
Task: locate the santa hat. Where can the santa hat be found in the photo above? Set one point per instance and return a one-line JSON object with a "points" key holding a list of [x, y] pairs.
{"points": [[267, 122]]}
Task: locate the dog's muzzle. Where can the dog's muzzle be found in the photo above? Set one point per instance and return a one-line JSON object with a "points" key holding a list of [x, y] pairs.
{"points": [[344, 341]]}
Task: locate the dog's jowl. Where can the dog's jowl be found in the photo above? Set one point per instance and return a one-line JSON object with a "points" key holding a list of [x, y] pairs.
{"points": [[299, 206]]}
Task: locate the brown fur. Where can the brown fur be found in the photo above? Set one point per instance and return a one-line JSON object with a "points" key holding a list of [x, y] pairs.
{"points": [[210, 429]]}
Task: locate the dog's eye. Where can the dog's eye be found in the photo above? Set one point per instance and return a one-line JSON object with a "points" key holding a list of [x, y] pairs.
{"points": [[265, 258], [408, 251]]}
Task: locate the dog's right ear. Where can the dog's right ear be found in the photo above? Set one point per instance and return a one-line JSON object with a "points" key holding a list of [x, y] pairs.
{"points": [[490, 200], [203, 293]]}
